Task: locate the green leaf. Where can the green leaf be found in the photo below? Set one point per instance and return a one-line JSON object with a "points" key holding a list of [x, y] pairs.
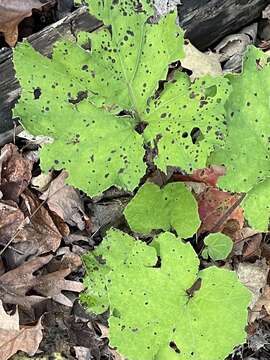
{"points": [[246, 154], [115, 248], [122, 55], [171, 207], [218, 246], [247, 151], [206, 325], [67, 97], [98, 150], [257, 206], [187, 121], [78, 131]]}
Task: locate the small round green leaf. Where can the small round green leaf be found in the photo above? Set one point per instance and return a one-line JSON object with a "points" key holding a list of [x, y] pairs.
{"points": [[218, 246]]}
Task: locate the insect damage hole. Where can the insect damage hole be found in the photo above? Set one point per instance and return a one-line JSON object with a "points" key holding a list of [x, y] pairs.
{"points": [[173, 346], [37, 93], [196, 135]]}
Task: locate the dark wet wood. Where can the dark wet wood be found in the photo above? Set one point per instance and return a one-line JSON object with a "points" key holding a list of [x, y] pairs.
{"points": [[206, 21]]}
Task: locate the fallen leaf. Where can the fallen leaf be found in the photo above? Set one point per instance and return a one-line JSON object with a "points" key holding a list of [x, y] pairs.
{"points": [[65, 201], [16, 171], [30, 228], [12, 13], [254, 277], [252, 246], [199, 63], [213, 205], [244, 234], [14, 338], [11, 217], [16, 284], [52, 285], [8, 322], [263, 303], [104, 330], [232, 48], [266, 13], [42, 181], [69, 260], [82, 353], [75, 237]]}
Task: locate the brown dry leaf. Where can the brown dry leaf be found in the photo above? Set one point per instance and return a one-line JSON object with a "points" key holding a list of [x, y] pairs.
{"points": [[14, 338], [199, 63], [104, 330], [261, 306], [213, 205], [31, 228], [11, 218], [254, 277], [82, 353], [8, 322], [69, 260], [16, 171], [17, 284], [62, 227], [65, 201], [42, 181], [12, 12], [252, 246]]}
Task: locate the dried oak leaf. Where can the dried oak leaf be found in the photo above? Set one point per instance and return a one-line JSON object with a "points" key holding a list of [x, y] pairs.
{"points": [[213, 205], [65, 201], [16, 285], [31, 228], [16, 171], [262, 306], [12, 13], [14, 338]]}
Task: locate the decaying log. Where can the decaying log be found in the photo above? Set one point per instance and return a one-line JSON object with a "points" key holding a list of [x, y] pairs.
{"points": [[206, 21]]}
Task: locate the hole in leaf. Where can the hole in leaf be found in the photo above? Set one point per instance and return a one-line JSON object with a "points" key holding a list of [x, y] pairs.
{"points": [[196, 135], [140, 127], [80, 96], [158, 263], [173, 346], [37, 93]]}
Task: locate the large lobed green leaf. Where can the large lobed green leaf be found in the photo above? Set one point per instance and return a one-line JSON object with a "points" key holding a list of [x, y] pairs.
{"points": [[75, 96], [187, 121], [246, 154], [150, 308]]}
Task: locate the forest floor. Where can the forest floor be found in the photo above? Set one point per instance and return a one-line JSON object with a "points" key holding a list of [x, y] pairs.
{"points": [[40, 215]]}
